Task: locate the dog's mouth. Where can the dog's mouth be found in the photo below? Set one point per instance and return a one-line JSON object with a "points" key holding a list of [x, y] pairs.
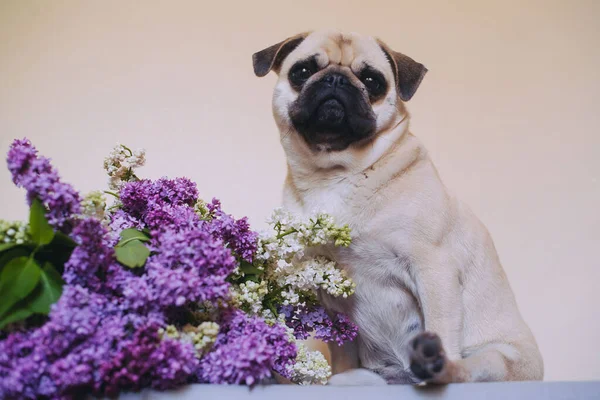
{"points": [[332, 120], [331, 112], [329, 125]]}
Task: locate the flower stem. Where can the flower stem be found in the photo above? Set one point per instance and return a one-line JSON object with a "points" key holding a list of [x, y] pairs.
{"points": [[128, 149], [288, 232], [112, 193]]}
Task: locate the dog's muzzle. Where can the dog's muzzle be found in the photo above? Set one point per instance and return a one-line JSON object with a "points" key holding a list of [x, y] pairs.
{"points": [[331, 112]]}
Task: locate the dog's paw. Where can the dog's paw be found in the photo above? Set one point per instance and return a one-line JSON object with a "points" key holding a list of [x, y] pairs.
{"points": [[357, 377], [427, 357]]}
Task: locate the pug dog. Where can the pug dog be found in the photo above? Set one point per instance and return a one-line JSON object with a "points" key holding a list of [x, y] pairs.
{"points": [[432, 301]]}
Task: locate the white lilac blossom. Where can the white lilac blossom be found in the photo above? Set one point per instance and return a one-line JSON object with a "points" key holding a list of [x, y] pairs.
{"points": [[94, 205], [14, 232], [312, 274], [249, 295], [310, 368], [201, 208], [121, 163], [283, 282], [201, 337], [281, 255]]}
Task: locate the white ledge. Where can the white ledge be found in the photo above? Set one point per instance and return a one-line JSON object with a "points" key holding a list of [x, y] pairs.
{"points": [[487, 391]]}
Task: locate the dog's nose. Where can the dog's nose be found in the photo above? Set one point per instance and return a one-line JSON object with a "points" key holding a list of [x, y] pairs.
{"points": [[335, 80]]}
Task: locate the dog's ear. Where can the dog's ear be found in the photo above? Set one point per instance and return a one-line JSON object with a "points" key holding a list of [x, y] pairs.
{"points": [[271, 58], [408, 72]]}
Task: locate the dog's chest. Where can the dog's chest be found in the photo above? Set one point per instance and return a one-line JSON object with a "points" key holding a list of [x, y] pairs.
{"points": [[384, 306], [336, 199]]}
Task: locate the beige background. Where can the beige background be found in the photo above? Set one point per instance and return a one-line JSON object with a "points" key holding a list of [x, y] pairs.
{"points": [[509, 111]]}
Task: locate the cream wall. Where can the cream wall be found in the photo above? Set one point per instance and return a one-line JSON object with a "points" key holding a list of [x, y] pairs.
{"points": [[509, 111]]}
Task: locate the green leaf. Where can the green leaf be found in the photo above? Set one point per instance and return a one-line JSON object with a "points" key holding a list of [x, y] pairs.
{"points": [[14, 252], [249, 269], [41, 231], [130, 251], [18, 278], [17, 313], [57, 252], [253, 278], [132, 254], [131, 234], [60, 239], [7, 246], [47, 292]]}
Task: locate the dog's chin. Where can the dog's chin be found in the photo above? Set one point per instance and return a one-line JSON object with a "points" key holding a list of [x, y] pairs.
{"points": [[329, 128], [330, 141]]}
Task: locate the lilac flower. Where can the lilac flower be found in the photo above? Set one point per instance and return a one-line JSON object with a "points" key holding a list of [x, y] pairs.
{"points": [[41, 181], [246, 351], [20, 157], [19, 375], [236, 233], [191, 266], [148, 361], [161, 204], [63, 357], [75, 372], [178, 191], [90, 256], [164, 216], [344, 330], [177, 287], [134, 292], [66, 328], [119, 220], [141, 196], [102, 336], [33, 356], [305, 320]]}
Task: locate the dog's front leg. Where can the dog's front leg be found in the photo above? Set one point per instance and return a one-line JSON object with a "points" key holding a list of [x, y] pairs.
{"points": [[434, 353]]}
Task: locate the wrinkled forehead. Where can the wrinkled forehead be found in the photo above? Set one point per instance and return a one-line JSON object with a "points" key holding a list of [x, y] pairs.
{"points": [[345, 49]]}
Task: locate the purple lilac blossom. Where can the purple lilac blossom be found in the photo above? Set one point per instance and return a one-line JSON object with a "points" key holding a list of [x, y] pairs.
{"points": [[67, 356], [315, 320], [134, 292], [148, 361], [246, 351], [92, 255], [119, 220], [190, 266], [344, 330], [164, 215], [236, 233], [142, 196], [40, 354], [163, 204], [41, 180]]}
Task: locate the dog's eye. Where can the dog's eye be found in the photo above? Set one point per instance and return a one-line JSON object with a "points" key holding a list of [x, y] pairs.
{"points": [[374, 82], [371, 83], [300, 73]]}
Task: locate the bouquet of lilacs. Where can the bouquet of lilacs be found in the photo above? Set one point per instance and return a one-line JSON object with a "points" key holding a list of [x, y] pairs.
{"points": [[157, 290]]}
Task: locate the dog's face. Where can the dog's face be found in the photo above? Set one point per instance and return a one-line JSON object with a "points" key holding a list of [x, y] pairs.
{"points": [[337, 90]]}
